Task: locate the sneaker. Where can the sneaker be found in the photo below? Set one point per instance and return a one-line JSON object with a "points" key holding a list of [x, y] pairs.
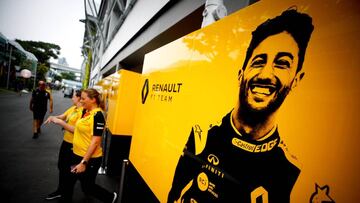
{"points": [[53, 195], [115, 197], [36, 135]]}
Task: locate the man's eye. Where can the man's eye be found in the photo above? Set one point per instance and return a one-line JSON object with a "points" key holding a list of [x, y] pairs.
{"points": [[282, 64], [258, 63]]}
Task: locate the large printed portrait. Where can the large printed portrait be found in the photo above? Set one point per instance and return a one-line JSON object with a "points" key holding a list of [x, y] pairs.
{"points": [[261, 106], [243, 157]]}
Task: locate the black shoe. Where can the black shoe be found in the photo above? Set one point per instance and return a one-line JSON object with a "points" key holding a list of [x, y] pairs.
{"points": [[115, 197], [36, 135], [53, 195]]}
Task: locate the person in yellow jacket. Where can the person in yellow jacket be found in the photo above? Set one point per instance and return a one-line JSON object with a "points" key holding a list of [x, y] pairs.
{"points": [[87, 150], [67, 120]]}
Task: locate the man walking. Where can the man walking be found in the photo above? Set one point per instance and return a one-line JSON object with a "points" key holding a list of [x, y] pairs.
{"points": [[38, 105]]}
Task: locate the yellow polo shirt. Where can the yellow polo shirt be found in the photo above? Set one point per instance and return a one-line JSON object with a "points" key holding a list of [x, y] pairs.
{"points": [[91, 124], [72, 114]]}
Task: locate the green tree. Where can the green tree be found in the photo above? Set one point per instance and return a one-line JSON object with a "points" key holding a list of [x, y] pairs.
{"points": [[19, 56], [43, 51], [57, 77], [26, 64], [42, 69], [68, 75]]}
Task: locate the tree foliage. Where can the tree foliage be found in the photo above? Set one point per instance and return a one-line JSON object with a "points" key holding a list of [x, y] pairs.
{"points": [[58, 78], [68, 75], [42, 69], [42, 50], [20, 57], [27, 64]]}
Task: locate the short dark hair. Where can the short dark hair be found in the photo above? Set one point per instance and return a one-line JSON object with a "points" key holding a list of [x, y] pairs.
{"points": [[298, 25], [78, 93]]}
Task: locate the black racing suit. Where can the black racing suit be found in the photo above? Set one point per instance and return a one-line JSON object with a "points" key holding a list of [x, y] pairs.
{"points": [[232, 168]]}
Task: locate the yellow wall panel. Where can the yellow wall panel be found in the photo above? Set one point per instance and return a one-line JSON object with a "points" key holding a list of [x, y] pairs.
{"points": [[121, 97], [193, 80]]}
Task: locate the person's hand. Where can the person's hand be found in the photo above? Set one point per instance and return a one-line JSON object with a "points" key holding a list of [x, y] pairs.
{"points": [[80, 168], [56, 120], [49, 120]]}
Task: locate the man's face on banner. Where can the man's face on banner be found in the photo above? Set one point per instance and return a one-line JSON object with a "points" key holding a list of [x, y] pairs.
{"points": [[269, 74]]}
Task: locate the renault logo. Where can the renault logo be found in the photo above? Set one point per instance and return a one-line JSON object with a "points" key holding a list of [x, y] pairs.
{"points": [[145, 91], [213, 159]]}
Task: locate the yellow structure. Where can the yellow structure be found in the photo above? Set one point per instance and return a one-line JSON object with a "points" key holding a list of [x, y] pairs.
{"points": [[120, 93], [193, 80]]}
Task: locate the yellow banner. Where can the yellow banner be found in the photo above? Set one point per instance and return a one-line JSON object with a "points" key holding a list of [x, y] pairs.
{"points": [[189, 85]]}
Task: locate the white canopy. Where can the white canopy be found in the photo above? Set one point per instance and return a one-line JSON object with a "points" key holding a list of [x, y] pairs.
{"points": [[28, 55]]}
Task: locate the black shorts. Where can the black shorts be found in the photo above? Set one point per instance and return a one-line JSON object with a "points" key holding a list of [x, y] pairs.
{"points": [[39, 115]]}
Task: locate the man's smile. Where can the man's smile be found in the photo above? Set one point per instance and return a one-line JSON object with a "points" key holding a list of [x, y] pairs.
{"points": [[264, 89]]}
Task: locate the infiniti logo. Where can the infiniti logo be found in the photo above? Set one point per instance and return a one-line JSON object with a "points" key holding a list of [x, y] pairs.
{"points": [[213, 159]]}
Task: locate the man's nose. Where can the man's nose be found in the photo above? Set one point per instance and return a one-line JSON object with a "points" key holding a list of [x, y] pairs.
{"points": [[267, 71]]}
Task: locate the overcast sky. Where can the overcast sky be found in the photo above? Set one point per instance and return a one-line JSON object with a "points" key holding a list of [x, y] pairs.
{"points": [[52, 21]]}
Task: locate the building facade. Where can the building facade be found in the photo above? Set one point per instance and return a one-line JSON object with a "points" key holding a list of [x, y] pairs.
{"points": [[120, 32]]}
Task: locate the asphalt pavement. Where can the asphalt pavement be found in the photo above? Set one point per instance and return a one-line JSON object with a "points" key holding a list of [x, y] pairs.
{"points": [[28, 167]]}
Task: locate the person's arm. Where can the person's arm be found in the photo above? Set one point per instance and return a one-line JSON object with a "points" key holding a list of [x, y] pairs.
{"points": [[61, 122], [32, 101], [51, 103], [61, 116], [51, 118], [31, 104]]}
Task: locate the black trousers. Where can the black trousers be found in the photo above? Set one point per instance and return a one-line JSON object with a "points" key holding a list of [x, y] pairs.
{"points": [[64, 164], [87, 180]]}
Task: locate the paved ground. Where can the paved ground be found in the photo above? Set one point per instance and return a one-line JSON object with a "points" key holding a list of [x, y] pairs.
{"points": [[28, 167]]}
